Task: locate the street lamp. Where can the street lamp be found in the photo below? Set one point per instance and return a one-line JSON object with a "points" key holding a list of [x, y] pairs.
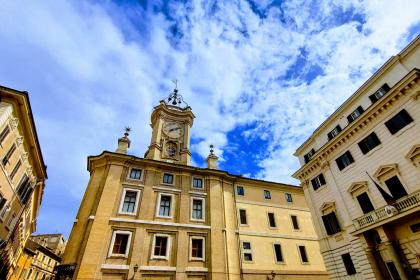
{"points": [[135, 268], [273, 276]]}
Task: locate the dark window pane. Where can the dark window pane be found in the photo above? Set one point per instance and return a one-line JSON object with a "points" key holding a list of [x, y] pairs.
{"points": [[9, 154], [309, 155], [331, 223], [160, 245], [302, 251], [248, 257], [379, 93], [197, 211], [399, 121], [198, 183], [242, 216], [344, 160], [355, 114], [395, 187], [271, 220], [246, 246], [4, 134], [168, 178], [15, 169], [295, 222], [129, 201], [277, 251], [240, 190], [318, 181], [393, 271], [334, 132], [197, 248], [414, 227], [289, 197], [135, 174], [348, 263], [120, 243], [365, 203], [369, 143], [267, 194], [165, 205]]}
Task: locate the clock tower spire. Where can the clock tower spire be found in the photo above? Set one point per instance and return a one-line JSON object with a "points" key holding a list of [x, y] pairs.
{"points": [[171, 122]]}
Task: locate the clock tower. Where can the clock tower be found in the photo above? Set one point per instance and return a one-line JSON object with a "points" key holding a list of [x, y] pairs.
{"points": [[171, 121]]}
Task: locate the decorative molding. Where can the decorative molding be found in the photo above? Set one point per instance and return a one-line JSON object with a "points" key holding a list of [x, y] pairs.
{"points": [[134, 221], [273, 205], [115, 266], [384, 169], [157, 268], [197, 193], [196, 269], [357, 186], [265, 234], [166, 189], [414, 154], [327, 207]]}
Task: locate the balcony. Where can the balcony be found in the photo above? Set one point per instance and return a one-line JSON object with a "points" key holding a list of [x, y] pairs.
{"points": [[401, 205]]}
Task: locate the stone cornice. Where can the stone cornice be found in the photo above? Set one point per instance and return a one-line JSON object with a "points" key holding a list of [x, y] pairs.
{"points": [[405, 87]]}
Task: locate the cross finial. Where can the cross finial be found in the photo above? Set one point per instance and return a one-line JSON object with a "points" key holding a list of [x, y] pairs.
{"points": [[175, 81], [211, 149], [127, 130]]}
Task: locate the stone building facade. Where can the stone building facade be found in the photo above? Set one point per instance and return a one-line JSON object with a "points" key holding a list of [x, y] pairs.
{"points": [[159, 217], [360, 171], [22, 177]]}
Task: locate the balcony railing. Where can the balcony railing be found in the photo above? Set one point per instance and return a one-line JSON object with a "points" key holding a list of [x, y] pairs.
{"points": [[401, 205]]}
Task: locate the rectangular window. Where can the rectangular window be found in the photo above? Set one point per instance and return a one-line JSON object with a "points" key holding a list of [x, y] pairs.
{"points": [[278, 253], [165, 205], [415, 227], [4, 134], [130, 201], [318, 181], [9, 154], [355, 114], [160, 248], [370, 142], [2, 202], [267, 194], [344, 160], [399, 121], [295, 222], [333, 133], [395, 187], [365, 203], [289, 197], [135, 174], [331, 223], [247, 251], [309, 155], [242, 217], [348, 264], [271, 220], [240, 190], [197, 183], [15, 169], [379, 93], [120, 243], [197, 209], [197, 248], [168, 178], [303, 255], [23, 187]]}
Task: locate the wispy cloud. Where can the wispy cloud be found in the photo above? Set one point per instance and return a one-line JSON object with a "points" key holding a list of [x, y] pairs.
{"points": [[251, 71]]}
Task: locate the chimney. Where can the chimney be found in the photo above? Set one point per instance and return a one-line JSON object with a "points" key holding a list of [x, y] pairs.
{"points": [[124, 142], [212, 159]]}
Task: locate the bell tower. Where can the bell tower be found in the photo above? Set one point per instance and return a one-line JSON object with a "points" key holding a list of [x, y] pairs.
{"points": [[171, 122]]}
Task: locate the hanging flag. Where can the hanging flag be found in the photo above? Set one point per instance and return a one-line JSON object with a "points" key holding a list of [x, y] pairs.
{"points": [[388, 197]]}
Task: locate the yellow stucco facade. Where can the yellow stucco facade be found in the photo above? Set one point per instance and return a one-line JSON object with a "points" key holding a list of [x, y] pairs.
{"points": [[22, 177], [361, 177], [158, 217]]}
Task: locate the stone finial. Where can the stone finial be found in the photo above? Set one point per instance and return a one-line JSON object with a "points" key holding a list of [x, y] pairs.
{"points": [[212, 159], [124, 142]]}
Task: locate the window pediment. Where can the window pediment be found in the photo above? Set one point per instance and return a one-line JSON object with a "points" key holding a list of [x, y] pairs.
{"points": [[386, 169], [357, 187], [327, 207], [414, 153]]}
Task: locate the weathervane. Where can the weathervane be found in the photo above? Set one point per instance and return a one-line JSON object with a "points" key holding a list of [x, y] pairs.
{"points": [[127, 130], [211, 149], [174, 99]]}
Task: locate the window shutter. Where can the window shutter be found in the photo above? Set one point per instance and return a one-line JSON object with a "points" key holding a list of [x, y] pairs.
{"points": [[2, 202], [360, 109], [373, 98], [322, 179], [339, 163], [385, 87], [349, 118], [330, 136]]}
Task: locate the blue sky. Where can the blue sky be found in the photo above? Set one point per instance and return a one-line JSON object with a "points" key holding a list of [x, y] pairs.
{"points": [[259, 75]]}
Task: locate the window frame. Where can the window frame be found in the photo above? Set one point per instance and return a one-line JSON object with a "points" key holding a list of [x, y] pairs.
{"points": [[136, 204], [202, 183], [173, 178], [274, 220], [334, 132], [390, 120], [286, 195], [363, 144], [318, 180], [300, 254], [141, 174], [203, 248], [4, 133], [349, 157], [111, 247], [246, 251], [336, 219], [269, 194], [243, 190], [355, 114], [281, 253], [203, 208], [239, 217], [171, 209], [297, 223], [168, 247], [350, 268]]}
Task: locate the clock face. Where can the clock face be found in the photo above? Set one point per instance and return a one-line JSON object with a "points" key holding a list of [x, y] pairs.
{"points": [[173, 129]]}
